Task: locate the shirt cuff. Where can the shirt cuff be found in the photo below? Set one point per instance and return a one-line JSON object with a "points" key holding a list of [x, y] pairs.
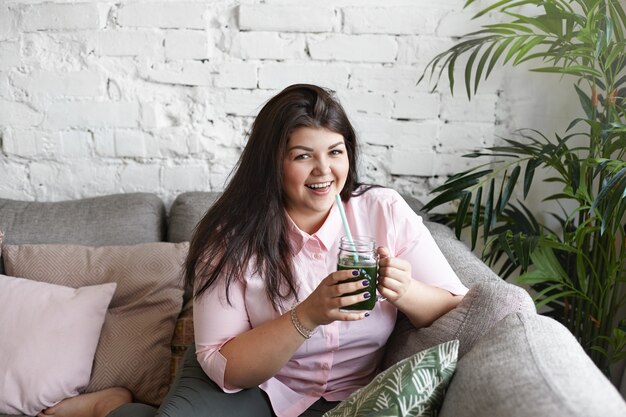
{"points": [[213, 363]]}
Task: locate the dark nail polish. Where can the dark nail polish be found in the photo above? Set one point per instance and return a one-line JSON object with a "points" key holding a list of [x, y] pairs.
{"points": [[367, 295], [365, 283], [355, 273], [367, 314]]}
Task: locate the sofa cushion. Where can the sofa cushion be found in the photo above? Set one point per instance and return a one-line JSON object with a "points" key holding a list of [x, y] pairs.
{"points": [[526, 366], [414, 386], [48, 338], [134, 349], [186, 211], [120, 219], [482, 307]]}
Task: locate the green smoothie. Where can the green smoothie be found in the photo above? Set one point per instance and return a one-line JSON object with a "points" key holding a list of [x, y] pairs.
{"points": [[368, 272]]}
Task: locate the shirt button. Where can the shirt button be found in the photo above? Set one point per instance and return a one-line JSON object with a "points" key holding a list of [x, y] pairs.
{"points": [[318, 256], [325, 366]]}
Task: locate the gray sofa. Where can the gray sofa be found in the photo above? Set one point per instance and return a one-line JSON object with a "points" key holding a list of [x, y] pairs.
{"points": [[513, 362]]}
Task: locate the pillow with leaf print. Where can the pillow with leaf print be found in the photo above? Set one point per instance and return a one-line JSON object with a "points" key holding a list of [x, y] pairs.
{"points": [[415, 386]]}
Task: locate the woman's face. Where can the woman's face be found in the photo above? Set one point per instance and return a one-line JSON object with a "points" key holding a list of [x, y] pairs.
{"points": [[315, 168]]}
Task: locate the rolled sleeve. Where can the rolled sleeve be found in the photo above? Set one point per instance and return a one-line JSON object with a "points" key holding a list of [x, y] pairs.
{"points": [[215, 323]]}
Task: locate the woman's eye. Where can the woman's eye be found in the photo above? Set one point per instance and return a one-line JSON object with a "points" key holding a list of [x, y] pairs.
{"points": [[336, 152], [302, 156]]}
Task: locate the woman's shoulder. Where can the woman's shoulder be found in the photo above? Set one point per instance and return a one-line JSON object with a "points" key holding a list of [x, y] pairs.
{"points": [[387, 200], [378, 194]]}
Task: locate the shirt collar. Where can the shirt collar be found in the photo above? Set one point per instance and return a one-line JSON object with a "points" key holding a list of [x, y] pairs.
{"points": [[326, 235]]}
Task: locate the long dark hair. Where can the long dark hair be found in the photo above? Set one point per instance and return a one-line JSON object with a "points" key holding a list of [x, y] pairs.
{"points": [[248, 222]]}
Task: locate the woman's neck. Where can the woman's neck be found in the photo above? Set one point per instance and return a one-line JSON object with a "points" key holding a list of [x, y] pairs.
{"points": [[311, 223]]}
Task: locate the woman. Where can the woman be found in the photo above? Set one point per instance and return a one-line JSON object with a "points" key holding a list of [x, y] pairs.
{"points": [[262, 262]]}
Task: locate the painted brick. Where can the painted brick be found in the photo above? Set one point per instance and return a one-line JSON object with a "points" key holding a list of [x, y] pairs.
{"points": [[62, 84], [159, 115], [15, 182], [92, 114], [236, 75], [172, 15], [188, 44], [419, 135], [280, 75], [388, 79], [421, 49], [18, 114], [168, 113], [416, 106], [7, 23], [69, 16], [427, 164], [171, 145], [392, 20], [465, 137], [126, 43], [164, 108], [104, 142], [353, 48], [347, 3], [5, 91], [299, 18], [75, 144], [412, 162], [269, 45], [181, 73], [461, 23], [135, 177], [88, 179], [185, 177], [132, 143], [245, 102], [23, 143], [9, 55], [58, 51], [452, 164], [482, 108], [359, 103]]}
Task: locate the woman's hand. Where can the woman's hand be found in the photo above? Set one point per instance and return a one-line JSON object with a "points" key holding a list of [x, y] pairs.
{"points": [[322, 306], [394, 276]]}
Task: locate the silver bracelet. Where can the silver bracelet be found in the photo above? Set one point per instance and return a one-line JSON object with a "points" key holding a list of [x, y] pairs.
{"points": [[306, 333]]}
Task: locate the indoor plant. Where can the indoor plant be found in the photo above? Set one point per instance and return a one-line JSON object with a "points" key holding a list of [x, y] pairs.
{"points": [[578, 270]]}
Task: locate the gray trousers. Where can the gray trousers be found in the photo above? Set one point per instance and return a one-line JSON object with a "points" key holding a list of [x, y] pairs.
{"points": [[193, 394]]}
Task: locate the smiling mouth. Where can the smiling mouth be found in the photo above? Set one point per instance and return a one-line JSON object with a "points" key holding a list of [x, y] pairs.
{"points": [[319, 185]]}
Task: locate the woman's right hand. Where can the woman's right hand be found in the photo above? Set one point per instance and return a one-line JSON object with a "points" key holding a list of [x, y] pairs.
{"points": [[323, 305]]}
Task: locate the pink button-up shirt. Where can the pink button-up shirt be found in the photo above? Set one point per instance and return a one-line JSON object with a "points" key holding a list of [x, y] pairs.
{"points": [[342, 356]]}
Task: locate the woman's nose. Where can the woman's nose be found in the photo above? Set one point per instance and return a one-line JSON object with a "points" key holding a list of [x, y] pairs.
{"points": [[322, 166]]}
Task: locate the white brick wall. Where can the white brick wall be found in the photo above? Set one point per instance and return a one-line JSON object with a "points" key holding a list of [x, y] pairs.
{"points": [[106, 96]]}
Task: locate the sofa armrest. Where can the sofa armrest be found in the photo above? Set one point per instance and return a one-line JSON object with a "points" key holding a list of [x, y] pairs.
{"points": [[482, 307], [530, 365]]}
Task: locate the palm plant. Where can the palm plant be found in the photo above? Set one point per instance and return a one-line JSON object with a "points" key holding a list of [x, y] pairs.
{"points": [[577, 270]]}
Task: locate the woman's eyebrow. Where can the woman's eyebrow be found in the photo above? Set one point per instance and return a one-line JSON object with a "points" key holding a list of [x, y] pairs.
{"points": [[305, 148]]}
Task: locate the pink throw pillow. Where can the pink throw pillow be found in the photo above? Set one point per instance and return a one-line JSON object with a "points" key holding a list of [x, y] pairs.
{"points": [[48, 339]]}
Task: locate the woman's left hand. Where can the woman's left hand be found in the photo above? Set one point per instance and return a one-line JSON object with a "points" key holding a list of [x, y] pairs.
{"points": [[394, 276]]}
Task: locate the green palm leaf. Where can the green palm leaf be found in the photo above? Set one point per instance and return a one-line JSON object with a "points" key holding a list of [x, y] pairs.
{"points": [[575, 267]]}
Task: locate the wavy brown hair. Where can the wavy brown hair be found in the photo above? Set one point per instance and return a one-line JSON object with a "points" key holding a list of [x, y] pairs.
{"points": [[248, 222]]}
